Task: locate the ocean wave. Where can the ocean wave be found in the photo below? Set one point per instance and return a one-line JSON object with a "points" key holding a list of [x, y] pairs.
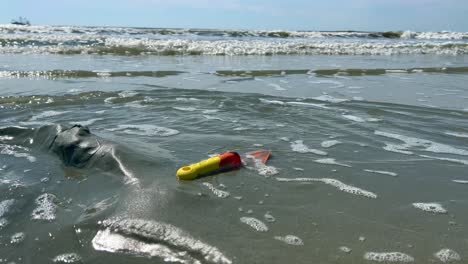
{"points": [[72, 74], [134, 46], [217, 33]]}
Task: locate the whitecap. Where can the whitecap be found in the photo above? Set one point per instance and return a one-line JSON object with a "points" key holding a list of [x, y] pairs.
{"points": [[460, 181], [464, 162], [265, 101], [457, 134], [290, 240], [186, 109], [431, 207], [254, 223], [335, 183], [447, 255], [388, 257], [360, 119], [67, 258], [330, 143], [382, 172]]}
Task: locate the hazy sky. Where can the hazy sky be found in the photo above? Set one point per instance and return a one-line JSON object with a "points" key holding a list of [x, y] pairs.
{"points": [[375, 15]]}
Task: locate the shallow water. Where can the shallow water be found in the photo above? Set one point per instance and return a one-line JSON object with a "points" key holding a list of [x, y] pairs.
{"points": [[369, 152]]}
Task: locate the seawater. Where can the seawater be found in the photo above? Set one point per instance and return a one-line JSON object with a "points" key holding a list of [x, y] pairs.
{"points": [[368, 132]]}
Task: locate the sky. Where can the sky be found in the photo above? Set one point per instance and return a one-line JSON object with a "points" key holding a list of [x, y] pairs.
{"points": [[366, 15]]}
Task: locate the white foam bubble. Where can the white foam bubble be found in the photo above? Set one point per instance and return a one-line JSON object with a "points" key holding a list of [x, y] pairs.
{"points": [[360, 119], [265, 101], [354, 118], [388, 257], [335, 183], [464, 162], [67, 258], [46, 207], [447, 255], [254, 223], [261, 168], [330, 143], [420, 144], [47, 114], [290, 240], [17, 238], [298, 146], [186, 99], [146, 130], [431, 207], [154, 239], [345, 249], [219, 193], [126, 94], [331, 161], [328, 98], [269, 218], [308, 104], [6, 138], [382, 172]]}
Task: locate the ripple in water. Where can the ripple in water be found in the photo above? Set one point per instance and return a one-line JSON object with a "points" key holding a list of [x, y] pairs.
{"points": [[298, 146], [335, 183], [146, 130]]}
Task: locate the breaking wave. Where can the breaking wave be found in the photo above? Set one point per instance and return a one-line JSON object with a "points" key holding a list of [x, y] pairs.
{"points": [[157, 41]]}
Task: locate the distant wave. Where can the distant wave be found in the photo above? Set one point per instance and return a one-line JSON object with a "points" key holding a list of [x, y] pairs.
{"points": [[13, 29]]}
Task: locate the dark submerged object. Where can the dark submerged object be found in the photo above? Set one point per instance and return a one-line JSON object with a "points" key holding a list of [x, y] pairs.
{"points": [[22, 21]]}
